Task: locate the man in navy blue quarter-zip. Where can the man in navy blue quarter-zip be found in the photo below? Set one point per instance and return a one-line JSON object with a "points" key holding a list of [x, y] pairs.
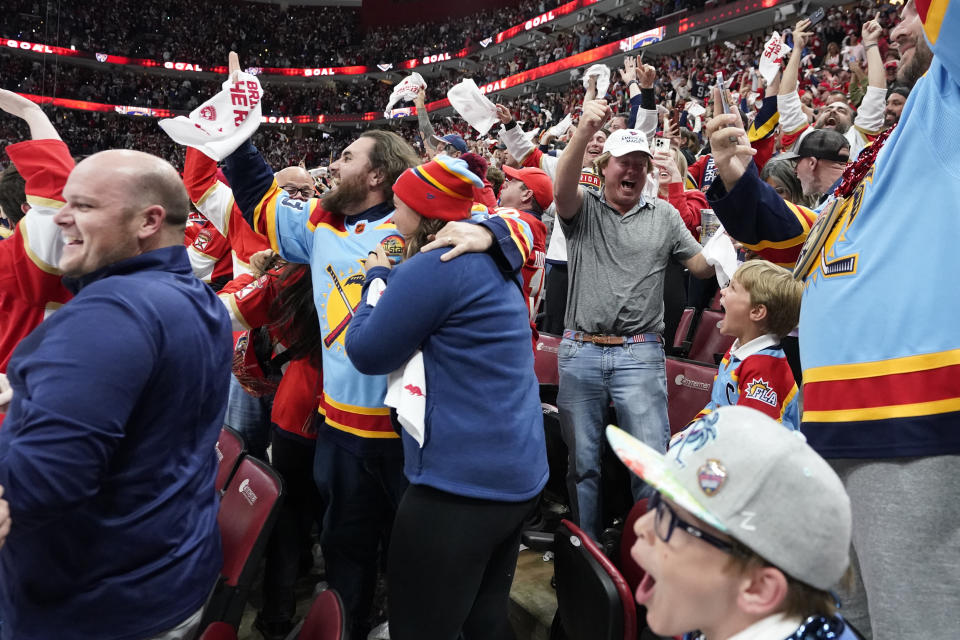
{"points": [[107, 451]]}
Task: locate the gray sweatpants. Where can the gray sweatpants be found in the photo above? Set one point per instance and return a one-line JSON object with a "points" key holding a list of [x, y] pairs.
{"points": [[906, 546]]}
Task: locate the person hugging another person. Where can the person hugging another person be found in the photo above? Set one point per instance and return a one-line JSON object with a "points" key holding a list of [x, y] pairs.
{"points": [[474, 451], [762, 305]]}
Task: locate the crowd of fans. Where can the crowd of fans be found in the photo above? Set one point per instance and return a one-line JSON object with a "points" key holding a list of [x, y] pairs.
{"points": [[618, 204], [298, 36], [680, 78]]}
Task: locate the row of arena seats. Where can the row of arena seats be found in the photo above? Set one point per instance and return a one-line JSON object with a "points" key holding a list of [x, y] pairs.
{"points": [[251, 493]]}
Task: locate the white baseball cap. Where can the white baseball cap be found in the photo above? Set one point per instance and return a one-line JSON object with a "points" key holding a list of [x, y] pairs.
{"points": [[750, 477], [624, 141]]}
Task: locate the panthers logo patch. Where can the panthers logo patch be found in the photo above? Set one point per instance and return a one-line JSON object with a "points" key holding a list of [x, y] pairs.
{"points": [[759, 390]]}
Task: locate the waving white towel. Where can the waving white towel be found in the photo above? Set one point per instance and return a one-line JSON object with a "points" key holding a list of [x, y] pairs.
{"points": [[222, 123]]}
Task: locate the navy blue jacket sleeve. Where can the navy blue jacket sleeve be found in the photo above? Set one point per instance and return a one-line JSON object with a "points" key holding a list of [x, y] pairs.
{"points": [[753, 214], [250, 177], [82, 385], [419, 297]]}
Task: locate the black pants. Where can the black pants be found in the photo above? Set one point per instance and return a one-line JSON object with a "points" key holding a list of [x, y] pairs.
{"points": [[452, 561], [361, 494], [290, 544], [555, 306]]}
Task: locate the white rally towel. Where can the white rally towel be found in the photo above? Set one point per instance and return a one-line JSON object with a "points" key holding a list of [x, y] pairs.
{"points": [[407, 89], [602, 72], [407, 386], [695, 109], [473, 106], [561, 127], [720, 252], [773, 52], [222, 123]]}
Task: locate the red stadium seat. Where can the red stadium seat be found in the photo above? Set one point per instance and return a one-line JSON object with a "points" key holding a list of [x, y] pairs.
{"points": [[594, 601], [248, 510], [219, 631], [230, 448], [631, 571], [545, 360], [688, 390], [715, 302], [325, 620], [709, 344], [681, 339]]}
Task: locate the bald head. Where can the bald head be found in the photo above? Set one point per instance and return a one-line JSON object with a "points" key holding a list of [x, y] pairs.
{"points": [[297, 182], [119, 204], [146, 179]]}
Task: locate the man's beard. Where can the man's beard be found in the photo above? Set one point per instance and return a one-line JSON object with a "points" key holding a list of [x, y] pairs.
{"points": [[914, 68], [840, 126], [348, 194]]}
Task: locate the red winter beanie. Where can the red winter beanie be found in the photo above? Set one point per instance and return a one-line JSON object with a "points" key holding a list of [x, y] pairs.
{"points": [[442, 188]]}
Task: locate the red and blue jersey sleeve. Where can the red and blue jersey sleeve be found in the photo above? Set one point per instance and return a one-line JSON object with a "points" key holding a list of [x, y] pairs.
{"points": [[766, 383], [754, 215]]}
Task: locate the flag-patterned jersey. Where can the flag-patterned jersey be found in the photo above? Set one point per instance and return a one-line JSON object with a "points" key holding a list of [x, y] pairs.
{"points": [[30, 282], [335, 247], [877, 341], [757, 375]]}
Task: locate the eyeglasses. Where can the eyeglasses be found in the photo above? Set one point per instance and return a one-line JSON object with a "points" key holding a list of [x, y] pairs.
{"points": [[666, 520], [294, 191]]}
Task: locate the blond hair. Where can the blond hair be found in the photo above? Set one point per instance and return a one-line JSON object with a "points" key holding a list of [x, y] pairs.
{"points": [[775, 288]]}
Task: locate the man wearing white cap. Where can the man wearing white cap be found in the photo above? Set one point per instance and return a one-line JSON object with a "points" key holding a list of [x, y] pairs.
{"points": [[748, 531], [618, 246]]}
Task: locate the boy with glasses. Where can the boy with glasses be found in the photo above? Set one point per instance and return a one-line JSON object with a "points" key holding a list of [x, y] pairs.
{"points": [[748, 530]]}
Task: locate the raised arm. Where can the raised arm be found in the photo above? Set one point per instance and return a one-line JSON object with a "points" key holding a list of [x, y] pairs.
{"points": [[566, 185], [792, 117], [750, 210], [40, 126], [423, 120]]}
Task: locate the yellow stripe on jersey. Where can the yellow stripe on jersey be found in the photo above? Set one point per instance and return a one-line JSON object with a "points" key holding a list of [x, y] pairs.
{"points": [[363, 433], [934, 20], [803, 216], [48, 203], [761, 132], [912, 410], [349, 408], [43, 266], [909, 364]]}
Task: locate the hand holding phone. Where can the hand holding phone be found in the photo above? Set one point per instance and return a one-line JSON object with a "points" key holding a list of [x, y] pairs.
{"points": [[723, 92], [817, 16]]}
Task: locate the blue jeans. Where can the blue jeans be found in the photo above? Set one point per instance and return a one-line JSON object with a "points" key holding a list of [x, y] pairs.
{"points": [[591, 376], [251, 417]]}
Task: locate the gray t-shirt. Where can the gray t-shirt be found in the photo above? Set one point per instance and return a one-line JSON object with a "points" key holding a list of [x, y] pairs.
{"points": [[617, 264]]}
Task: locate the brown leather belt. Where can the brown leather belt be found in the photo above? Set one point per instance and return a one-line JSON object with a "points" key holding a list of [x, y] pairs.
{"points": [[612, 341]]}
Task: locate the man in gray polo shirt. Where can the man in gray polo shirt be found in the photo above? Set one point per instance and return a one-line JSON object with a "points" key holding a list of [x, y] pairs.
{"points": [[618, 246]]}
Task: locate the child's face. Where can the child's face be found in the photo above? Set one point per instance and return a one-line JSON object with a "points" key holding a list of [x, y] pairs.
{"points": [[688, 585], [735, 300]]}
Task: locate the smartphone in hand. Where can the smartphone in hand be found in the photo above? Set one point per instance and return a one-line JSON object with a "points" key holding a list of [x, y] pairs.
{"points": [[817, 16], [723, 92]]}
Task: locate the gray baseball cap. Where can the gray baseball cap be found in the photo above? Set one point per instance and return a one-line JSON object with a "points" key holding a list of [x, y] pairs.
{"points": [[750, 477]]}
